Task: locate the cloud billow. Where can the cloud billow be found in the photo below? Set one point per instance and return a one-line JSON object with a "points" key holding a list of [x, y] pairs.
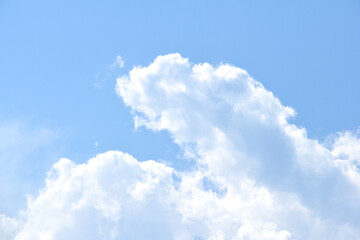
{"points": [[256, 175]]}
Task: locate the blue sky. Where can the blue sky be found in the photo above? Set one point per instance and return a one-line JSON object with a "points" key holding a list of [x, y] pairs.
{"points": [[58, 98]]}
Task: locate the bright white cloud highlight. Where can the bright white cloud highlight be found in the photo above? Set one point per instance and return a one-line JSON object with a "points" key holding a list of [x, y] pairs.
{"points": [[256, 176]]}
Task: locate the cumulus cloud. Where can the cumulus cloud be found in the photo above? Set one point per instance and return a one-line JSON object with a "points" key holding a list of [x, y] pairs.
{"points": [[8, 227], [256, 175], [346, 150], [114, 195]]}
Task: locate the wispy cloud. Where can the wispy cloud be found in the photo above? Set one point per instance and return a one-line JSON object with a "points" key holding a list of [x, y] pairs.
{"points": [[118, 63], [112, 70], [19, 144]]}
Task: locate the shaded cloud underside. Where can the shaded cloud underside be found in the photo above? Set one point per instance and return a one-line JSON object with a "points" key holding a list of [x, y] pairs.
{"points": [[256, 175]]}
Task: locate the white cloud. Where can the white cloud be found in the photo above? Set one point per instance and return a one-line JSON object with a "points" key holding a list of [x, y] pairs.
{"points": [[115, 195], [256, 175], [8, 227], [98, 200], [237, 129], [346, 151]]}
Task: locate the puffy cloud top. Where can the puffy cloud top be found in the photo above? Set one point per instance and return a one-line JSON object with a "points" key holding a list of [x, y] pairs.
{"points": [[256, 175]]}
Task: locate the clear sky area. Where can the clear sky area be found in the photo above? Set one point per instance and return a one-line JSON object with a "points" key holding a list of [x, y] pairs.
{"points": [[274, 83]]}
